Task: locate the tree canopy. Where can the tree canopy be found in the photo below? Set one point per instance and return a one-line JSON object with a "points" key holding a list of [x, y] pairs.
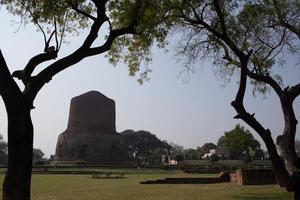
{"points": [[38, 154], [239, 144], [248, 26], [142, 146], [248, 38]]}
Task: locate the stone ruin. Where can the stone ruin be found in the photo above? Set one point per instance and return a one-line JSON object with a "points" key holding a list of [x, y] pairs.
{"points": [[91, 133]]}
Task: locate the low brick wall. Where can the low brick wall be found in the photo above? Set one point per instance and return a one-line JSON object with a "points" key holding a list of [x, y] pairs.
{"points": [[242, 177], [255, 176], [223, 177], [184, 181]]}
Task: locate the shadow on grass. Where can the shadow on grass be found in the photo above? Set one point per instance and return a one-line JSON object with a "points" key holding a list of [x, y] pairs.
{"points": [[262, 197]]}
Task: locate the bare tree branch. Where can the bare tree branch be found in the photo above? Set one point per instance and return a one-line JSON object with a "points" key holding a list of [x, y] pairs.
{"points": [[114, 34], [75, 7], [268, 80], [283, 22], [56, 33], [25, 75], [220, 16], [46, 49]]}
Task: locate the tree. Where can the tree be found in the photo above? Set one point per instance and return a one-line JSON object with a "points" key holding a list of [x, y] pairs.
{"points": [[176, 150], [200, 152], [238, 36], [37, 155], [159, 156], [191, 154], [55, 19], [143, 145], [238, 144], [179, 157]]}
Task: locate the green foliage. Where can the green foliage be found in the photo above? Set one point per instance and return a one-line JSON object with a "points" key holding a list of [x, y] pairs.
{"points": [[153, 21], [179, 157], [191, 154], [214, 158], [50, 13], [37, 155], [154, 25], [158, 156], [250, 25], [176, 150], [239, 144], [143, 146]]}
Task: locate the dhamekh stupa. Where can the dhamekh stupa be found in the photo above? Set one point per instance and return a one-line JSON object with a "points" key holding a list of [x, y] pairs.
{"points": [[91, 133]]}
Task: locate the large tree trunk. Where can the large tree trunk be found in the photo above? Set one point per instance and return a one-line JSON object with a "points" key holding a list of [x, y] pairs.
{"points": [[280, 171], [16, 185], [286, 141]]}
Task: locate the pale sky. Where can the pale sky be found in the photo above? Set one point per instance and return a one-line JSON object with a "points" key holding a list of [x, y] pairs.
{"points": [[186, 113]]}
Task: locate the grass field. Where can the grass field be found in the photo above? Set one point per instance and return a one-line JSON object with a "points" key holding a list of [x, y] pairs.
{"points": [[83, 187]]}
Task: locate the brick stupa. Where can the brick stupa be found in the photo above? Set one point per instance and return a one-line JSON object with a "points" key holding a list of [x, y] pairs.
{"points": [[91, 133]]}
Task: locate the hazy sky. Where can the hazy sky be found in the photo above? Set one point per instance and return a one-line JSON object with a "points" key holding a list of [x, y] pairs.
{"points": [[186, 113]]}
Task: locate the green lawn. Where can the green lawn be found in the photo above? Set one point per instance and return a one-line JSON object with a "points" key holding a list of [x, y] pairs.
{"points": [[83, 187]]}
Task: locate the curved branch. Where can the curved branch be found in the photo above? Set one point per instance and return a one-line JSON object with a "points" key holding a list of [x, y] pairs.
{"points": [[114, 34], [268, 80], [75, 7], [25, 75]]}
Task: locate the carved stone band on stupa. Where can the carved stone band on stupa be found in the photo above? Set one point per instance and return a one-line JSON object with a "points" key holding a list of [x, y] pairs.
{"points": [[91, 133]]}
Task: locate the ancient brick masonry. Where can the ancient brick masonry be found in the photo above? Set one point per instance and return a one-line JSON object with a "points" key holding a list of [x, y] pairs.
{"points": [[91, 133]]}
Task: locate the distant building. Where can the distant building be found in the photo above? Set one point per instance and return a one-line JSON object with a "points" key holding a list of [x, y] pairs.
{"points": [[208, 155], [91, 134], [173, 162]]}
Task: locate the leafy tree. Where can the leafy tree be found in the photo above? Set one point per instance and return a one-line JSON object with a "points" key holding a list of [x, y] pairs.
{"points": [[200, 152], [55, 19], [238, 143], [237, 36], [179, 157], [159, 156], [176, 150], [37, 154], [142, 144], [191, 154], [259, 155]]}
